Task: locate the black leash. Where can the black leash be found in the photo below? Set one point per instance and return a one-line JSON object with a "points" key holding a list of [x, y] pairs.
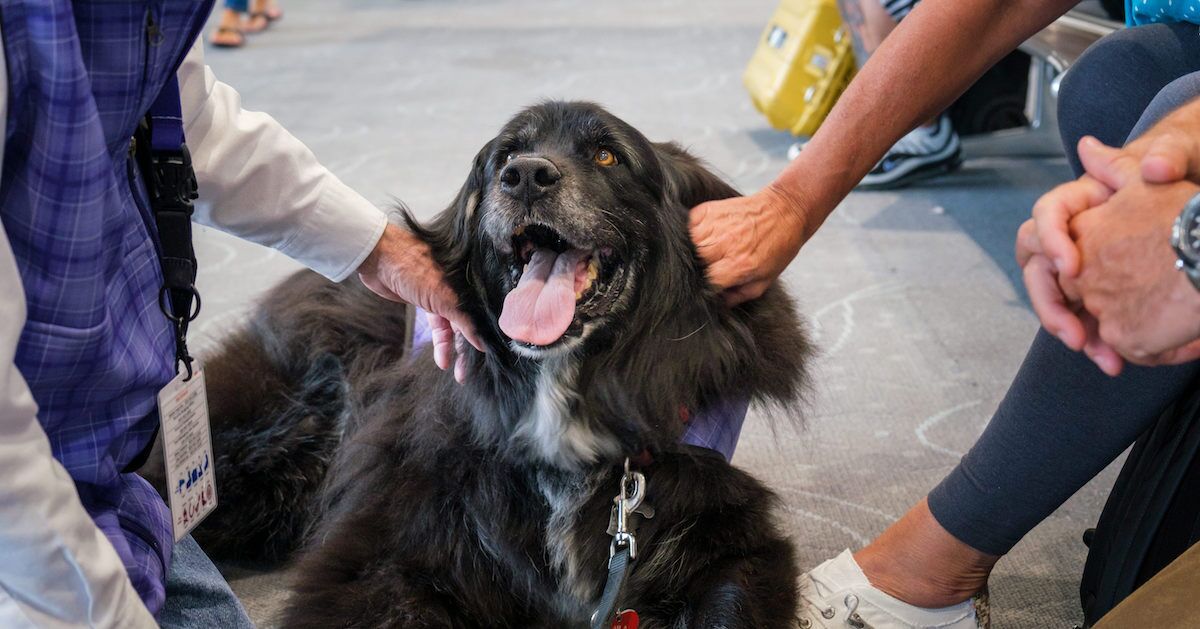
{"points": [[622, 553], [166, 165]]}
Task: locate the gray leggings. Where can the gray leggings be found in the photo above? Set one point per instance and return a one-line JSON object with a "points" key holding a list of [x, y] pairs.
{"points": [[1063, 421]]}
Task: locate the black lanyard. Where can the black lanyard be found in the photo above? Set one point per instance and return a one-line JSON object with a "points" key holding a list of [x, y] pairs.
{"points": [[166, 166]]}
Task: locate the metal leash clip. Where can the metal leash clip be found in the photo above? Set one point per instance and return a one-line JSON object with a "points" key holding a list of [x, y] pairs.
{"points": [[631, 500]]}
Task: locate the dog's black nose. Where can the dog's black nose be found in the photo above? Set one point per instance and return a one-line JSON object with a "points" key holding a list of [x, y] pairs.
{"points": [[529, 177]]}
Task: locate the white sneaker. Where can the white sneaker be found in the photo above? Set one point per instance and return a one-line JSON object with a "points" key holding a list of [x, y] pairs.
{"points": [[838, 594], [923, 152]]}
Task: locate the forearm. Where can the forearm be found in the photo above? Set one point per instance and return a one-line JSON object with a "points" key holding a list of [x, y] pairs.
{"points": [[929, 60]]}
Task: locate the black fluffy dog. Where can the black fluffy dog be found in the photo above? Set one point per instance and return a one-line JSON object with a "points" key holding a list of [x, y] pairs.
{"points": [[422, 503]]}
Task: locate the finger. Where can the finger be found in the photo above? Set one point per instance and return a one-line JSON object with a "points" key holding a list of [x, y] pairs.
{"points": [[1178, 356], [1167, 158], [1101, 353], [460, 369], [723, 274], [460, 364], [1052, 218], [744, 293], [443, 340], [1028, 244], [698, 227], [1069, 287], [1111, 166], [443, 302], [462, 324], [1049, 304], [711, 252], [696, 218]]}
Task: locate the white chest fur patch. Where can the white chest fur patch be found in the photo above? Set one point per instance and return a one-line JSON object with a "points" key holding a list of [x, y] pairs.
{"points": [[549, 429]]}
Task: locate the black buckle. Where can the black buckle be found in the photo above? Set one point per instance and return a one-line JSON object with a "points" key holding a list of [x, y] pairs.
{"points": [[171, 187], [172, 181]]}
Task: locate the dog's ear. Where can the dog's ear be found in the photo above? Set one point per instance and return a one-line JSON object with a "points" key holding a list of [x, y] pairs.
{"points": [[758, 349], [687, 180], [450, 233]]}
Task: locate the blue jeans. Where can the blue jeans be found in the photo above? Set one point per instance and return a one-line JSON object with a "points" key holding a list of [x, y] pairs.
{"points": [[197, 595], [241, 6], [1063, 420]]}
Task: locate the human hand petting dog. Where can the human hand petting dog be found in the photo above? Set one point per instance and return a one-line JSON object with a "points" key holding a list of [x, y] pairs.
{"points": [[1097, 257], [747, 241], [401, 268]]}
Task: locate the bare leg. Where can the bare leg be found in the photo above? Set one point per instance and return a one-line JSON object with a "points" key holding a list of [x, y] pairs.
{"points": [[920, 563], [868, 24], [258, 21], [229, 30], [1059, 404], [1060, 424]]}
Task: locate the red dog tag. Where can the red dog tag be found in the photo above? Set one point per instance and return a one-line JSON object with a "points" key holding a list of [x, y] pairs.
{"points": [[627, 619]]}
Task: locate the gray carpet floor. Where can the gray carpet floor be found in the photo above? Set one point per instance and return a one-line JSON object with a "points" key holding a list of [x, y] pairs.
{"points": [[913, 295]]}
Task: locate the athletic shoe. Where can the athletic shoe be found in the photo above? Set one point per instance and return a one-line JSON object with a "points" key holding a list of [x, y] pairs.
{"points": [[924, 152], [836, 594]]}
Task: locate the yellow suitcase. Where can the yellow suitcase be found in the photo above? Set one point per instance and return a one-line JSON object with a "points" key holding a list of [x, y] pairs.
{"points": [[803, 62]]}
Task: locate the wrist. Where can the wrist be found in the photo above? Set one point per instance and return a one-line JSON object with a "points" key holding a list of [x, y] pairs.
{"points": [[791, 203], [811, 188], [1185, 240], [1184, 305], [388, 242]]}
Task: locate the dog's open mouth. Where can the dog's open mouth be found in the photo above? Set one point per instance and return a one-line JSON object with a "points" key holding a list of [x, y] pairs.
{"points": [[560, 287]]}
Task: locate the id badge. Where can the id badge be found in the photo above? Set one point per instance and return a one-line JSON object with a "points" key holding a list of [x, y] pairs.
{"points": [[187, 452]]}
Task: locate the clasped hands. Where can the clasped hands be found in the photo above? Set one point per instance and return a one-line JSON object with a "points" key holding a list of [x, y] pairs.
{"points": [[1097, 257]]}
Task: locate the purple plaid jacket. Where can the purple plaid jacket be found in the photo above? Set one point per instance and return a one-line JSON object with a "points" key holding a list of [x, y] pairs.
{"points": [[95, 349]]}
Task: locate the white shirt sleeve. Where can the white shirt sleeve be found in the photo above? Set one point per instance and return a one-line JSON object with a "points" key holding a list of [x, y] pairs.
{"points": [[259, 182], [58, 569]]}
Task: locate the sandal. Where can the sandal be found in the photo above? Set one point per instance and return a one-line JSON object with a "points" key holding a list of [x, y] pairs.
{"points": [[228, 37], [257, 22], [263, 15]]}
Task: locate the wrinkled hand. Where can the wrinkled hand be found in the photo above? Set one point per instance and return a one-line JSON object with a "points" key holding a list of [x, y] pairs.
{"points": [[1046, 252], [747, 241], [1147, 311], [1098, 263], [401, 268], [1167, 152]]}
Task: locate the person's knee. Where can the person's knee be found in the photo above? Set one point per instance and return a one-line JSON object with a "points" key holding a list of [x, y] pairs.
{"points": [[1107, 88], [1082, 98]]}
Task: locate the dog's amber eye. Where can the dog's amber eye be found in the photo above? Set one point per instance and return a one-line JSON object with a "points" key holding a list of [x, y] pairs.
{"points": [[605, 157]]}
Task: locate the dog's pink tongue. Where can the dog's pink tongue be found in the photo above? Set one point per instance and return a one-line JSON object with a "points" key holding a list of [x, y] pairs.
{"points": [[540, 309]]}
